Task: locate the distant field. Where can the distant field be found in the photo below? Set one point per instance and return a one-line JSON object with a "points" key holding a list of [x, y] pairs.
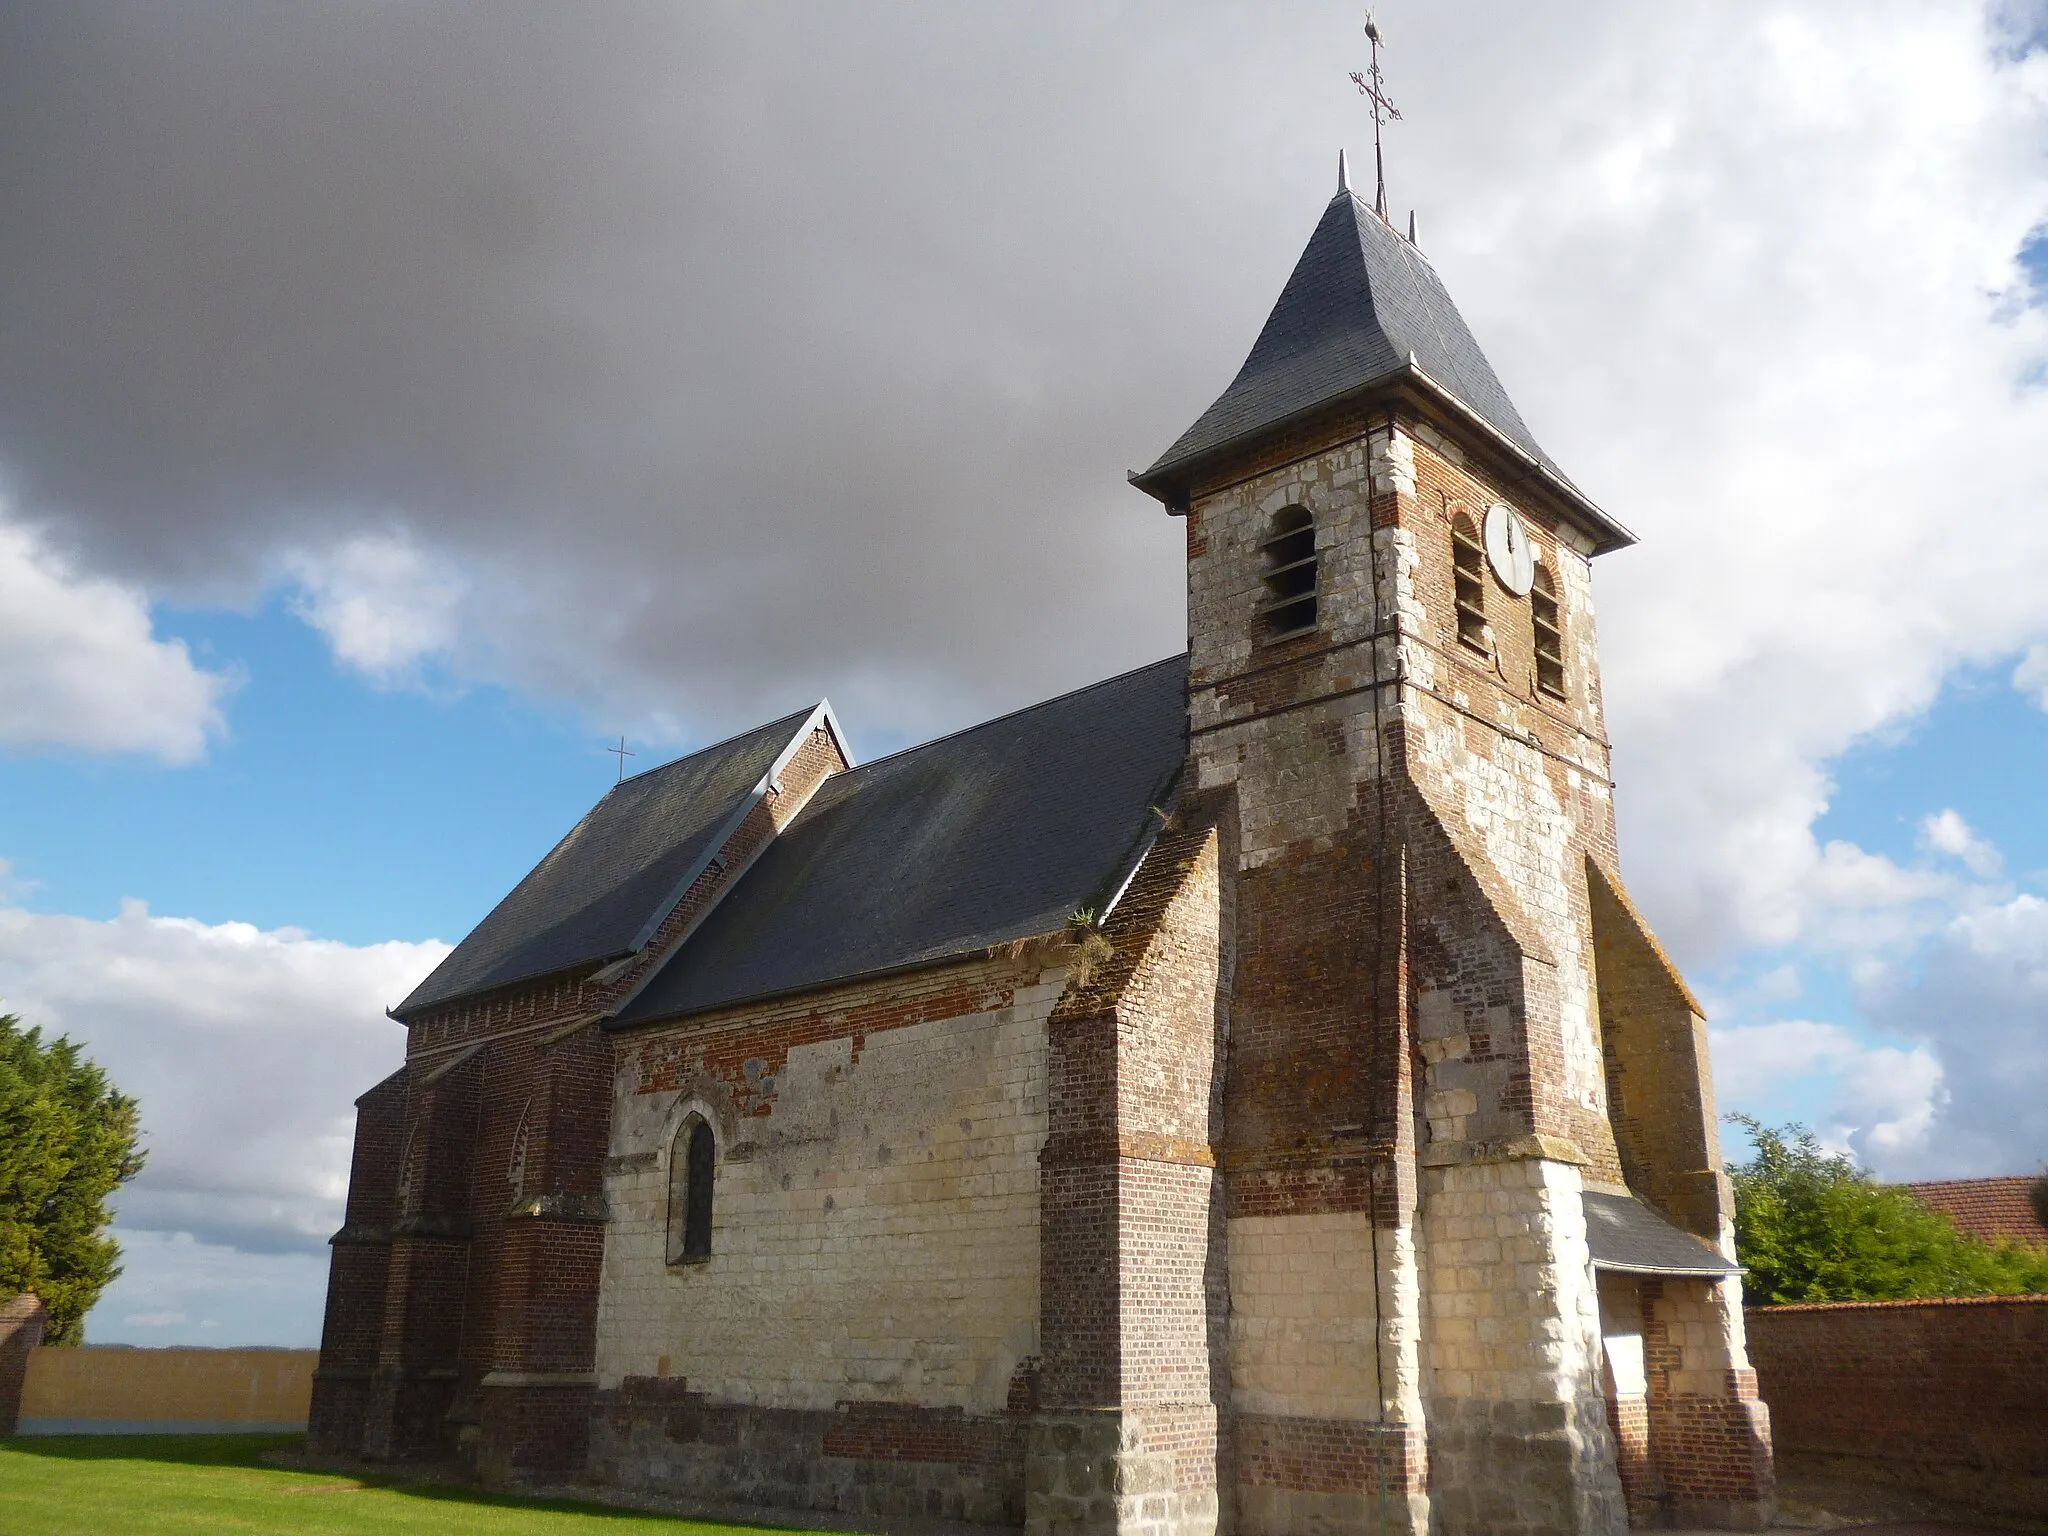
{"points": [[156, 1485]]}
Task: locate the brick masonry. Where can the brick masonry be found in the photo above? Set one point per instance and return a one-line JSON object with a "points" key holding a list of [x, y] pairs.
{"points": [[1257, 1210], [1133, 1270], [462, 1299], [1423, 1029], [1947, 1396], [23, 1319]]}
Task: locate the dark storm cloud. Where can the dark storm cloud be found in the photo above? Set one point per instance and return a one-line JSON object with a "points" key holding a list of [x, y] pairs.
{"points": [[742, 352]]}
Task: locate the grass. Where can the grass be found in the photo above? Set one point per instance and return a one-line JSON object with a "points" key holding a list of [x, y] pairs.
{"points": [[168, 1485]]}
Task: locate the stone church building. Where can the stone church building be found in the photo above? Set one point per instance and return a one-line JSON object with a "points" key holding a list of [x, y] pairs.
{"points": [[1236, 1096]]}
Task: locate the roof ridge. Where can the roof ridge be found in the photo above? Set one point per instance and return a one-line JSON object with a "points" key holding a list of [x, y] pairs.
{"points": [[968, 730], [713, 746]]}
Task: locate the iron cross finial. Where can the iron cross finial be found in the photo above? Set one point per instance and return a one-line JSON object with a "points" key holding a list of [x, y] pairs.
{"points": [[621, 754], [1373, 87]]}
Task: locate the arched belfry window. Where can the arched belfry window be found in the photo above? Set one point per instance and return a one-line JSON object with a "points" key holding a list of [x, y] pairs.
{"points": [[692, 1166], [1468, 580], [1289, 578], [1549, 634]]}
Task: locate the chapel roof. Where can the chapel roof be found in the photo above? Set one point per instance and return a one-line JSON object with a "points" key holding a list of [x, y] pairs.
{"points": [[598, 895], [997, 833], [1363, 310]]}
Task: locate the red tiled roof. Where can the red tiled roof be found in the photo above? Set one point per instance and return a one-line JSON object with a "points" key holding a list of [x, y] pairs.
{"points": [[1996, 1210]]}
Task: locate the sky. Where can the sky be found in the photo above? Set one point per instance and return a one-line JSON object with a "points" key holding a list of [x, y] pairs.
{"points": [[401, 403]]}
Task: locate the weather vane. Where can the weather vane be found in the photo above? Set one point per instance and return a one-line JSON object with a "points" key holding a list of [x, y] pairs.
{"points": [[1373, 87], [621, 754]]}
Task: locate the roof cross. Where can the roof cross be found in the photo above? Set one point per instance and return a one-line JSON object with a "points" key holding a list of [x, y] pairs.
{"points": [[621, 754], [1372, 86]]}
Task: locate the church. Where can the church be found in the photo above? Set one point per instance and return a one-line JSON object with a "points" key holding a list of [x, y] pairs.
{"points": [[1237, 1096]]}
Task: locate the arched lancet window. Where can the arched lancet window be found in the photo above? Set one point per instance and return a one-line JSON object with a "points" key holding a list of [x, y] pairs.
{"points": [[1289, 607], [692, 1165], [1468, 580], [1549, 634]]}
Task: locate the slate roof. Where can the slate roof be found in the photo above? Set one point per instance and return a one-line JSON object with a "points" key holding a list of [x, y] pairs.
{"points": [[997, 833], [1627, 1236], [1361, 303], [619, 871], [1995, 1210]]}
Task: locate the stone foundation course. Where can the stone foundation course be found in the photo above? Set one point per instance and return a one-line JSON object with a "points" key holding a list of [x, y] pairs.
{"points": [[867, 1460]]}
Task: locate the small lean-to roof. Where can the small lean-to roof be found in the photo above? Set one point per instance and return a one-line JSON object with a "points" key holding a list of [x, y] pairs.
{"points": [[1000, 832], [1628, 1237], [620, 869], [1363, 309]]}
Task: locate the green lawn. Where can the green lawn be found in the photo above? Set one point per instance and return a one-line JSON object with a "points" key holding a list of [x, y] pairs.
{"points": [[142, 1485]]}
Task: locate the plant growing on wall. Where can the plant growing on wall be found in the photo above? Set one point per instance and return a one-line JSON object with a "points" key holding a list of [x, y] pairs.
{"points": [[1810, 1225], [67, 1142]]}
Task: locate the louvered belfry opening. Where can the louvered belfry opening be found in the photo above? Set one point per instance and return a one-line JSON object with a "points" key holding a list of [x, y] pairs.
{"points": [[1549, 635], [1289, 607], [1468, 576]]}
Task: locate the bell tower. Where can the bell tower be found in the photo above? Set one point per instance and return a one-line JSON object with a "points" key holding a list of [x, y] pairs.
{"points": [[1472, 1183]]}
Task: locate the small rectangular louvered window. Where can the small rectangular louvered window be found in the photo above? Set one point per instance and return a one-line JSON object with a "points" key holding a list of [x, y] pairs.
{"points": [[1468, 580], [1288, 606], [1549, 637]]}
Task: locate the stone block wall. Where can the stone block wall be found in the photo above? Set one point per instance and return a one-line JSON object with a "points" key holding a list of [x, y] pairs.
{"points": [[871, 1297], [1519, 1436], [1426, 836], [1317, 1144], [1949, 1397]]}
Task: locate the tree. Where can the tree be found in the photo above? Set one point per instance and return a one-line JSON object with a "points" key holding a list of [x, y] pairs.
{"points": [[1812, 1226], [67, 1142]]}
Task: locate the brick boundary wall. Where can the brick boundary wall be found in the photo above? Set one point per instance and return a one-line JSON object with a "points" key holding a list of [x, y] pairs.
{"points": [[1949, 1397], [120, 1389], [22, 1321]]}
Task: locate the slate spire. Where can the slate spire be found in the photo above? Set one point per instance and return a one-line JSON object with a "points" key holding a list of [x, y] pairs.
{"points": [[1363, 311]]}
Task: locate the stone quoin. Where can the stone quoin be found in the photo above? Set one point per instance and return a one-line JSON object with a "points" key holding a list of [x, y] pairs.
{"points": [[1237, 1096]]}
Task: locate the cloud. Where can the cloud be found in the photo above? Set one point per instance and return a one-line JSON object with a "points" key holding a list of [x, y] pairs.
{"points": [[1978, 997], [1880, 1101], [693, 366], [2031, 675], [382, 603], [81, 667], [245, 1047], [174, 1289], [1946, 832], [1797, 273]]}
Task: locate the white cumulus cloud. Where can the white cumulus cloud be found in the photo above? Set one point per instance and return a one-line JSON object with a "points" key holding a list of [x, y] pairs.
{"points": [[1978, 997], [81, 666], [1946, 832], [384, 605], [246, 1048], [1772, 313], [1882, 1099], [2031, 675]]}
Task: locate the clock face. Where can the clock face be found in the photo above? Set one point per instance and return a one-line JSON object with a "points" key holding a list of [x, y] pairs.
{"points": [[1508, 550]]}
